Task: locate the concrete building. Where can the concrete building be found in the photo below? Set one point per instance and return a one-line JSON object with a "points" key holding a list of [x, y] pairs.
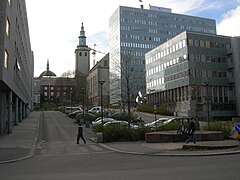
{"points": [[134, 32], [16, 65], [99, 73], [195, 75]]}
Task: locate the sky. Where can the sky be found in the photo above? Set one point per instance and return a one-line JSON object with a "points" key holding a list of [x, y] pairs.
{"points": [[54, 25]]}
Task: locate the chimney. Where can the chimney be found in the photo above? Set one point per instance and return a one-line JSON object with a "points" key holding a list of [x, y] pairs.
{"points": [[141, 6]]}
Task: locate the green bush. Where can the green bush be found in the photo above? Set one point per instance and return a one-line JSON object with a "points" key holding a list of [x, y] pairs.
{"points": [[169, 127], [219, 126], [160, 110], [85, 117], [119, 132]]}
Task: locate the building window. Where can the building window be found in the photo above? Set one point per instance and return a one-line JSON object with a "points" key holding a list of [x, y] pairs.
{"points": [[80, 53], [190, 42], [10, 2], [45, 94], [8, 27], [207, 44], [52, 88], [45, 88], [85, 53], [6, 59]]}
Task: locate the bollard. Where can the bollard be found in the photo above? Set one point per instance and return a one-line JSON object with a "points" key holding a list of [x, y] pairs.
{"points": [[99, 137]]}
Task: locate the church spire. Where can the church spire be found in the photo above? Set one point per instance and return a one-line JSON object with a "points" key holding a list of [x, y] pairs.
{"points": [[82, 37], [48, 64]]}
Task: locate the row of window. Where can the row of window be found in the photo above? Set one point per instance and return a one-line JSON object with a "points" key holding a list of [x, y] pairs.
{"points": [[137, 45], [167, 51], [143, 38], [186, 73], [164, 17], [206, 58], [81, 54], [208, 44], [219, 94], [197, 43], [199, 58], [58, 88], [155, 82], [58, 94], [163, 66]]}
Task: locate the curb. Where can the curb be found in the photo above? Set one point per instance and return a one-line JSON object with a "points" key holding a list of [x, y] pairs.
{"points": [[32, 149], [176, 154]]}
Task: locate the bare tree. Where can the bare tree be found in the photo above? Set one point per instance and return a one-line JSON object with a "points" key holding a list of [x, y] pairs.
{"points": [[125, 78], [69, 74]]}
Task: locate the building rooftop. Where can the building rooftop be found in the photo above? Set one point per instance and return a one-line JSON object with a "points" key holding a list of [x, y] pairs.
{"points": [[47, 73]]}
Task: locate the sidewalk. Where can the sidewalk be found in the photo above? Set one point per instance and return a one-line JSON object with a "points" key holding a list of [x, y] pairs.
{"points": [[22, 142]]}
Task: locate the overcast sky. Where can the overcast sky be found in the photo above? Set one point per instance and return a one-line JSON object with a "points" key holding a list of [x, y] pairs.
{"points": [[55, 25]]}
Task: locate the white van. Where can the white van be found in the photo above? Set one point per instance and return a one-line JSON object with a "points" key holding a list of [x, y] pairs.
{"points": [[96, 109], [68, 110]]}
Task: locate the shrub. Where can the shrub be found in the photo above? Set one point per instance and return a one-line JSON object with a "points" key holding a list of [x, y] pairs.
{"points": [[85, 117], [169, 127], [219, 126], [119, 132], [160, 110]]}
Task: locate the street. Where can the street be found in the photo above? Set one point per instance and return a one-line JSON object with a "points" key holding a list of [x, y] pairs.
{"points": [[59, 157]]}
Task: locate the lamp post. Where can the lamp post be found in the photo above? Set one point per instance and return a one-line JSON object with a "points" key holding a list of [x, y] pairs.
{"points": [[101, 83], [83, 101]]}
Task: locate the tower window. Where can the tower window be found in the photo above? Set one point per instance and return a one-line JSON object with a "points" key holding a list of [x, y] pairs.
{"points": [[80, 53], [85, 53], [6, 59], [8, 27]]}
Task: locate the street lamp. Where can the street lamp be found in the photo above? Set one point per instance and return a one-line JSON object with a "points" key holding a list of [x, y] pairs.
{"points": [[101, 83]]}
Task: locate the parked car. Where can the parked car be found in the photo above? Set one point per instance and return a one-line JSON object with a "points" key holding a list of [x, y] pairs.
{"points": [[100, 121], [123, 123], [68, 110], [74, 113], [138, 121], [156, 123], [96, 109]]}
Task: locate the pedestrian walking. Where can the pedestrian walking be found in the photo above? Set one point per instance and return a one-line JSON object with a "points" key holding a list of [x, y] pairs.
{"points": [[182, 131], [80, 134], [191, 132]]}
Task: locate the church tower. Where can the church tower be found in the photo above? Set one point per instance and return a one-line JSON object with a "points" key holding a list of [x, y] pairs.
{"points": [[82, 66], [82, 55]]}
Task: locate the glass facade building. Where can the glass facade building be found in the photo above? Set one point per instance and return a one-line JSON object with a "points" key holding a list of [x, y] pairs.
{"points": [[193, 74], [134, 32]]}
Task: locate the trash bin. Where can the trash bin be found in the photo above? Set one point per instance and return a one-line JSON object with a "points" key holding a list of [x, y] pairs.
{"points": [[99, 137]]}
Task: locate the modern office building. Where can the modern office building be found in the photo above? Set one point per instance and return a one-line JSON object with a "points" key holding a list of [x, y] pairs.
{"points": [[16, 65], [195, 75], [135, 31]]}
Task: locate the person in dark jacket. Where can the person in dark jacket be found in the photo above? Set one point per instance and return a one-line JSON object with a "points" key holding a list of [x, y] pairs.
{"points": [[191, 132], [80, 134]]}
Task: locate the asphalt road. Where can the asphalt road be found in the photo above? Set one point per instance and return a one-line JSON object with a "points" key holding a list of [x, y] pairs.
{"points": [[59, 157]]}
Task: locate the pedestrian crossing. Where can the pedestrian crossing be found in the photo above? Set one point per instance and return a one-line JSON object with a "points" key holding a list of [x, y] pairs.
{"points": [[68, 148]]}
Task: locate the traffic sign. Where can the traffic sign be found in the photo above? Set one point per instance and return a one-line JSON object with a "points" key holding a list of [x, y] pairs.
{"points": [[237, 128]]}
